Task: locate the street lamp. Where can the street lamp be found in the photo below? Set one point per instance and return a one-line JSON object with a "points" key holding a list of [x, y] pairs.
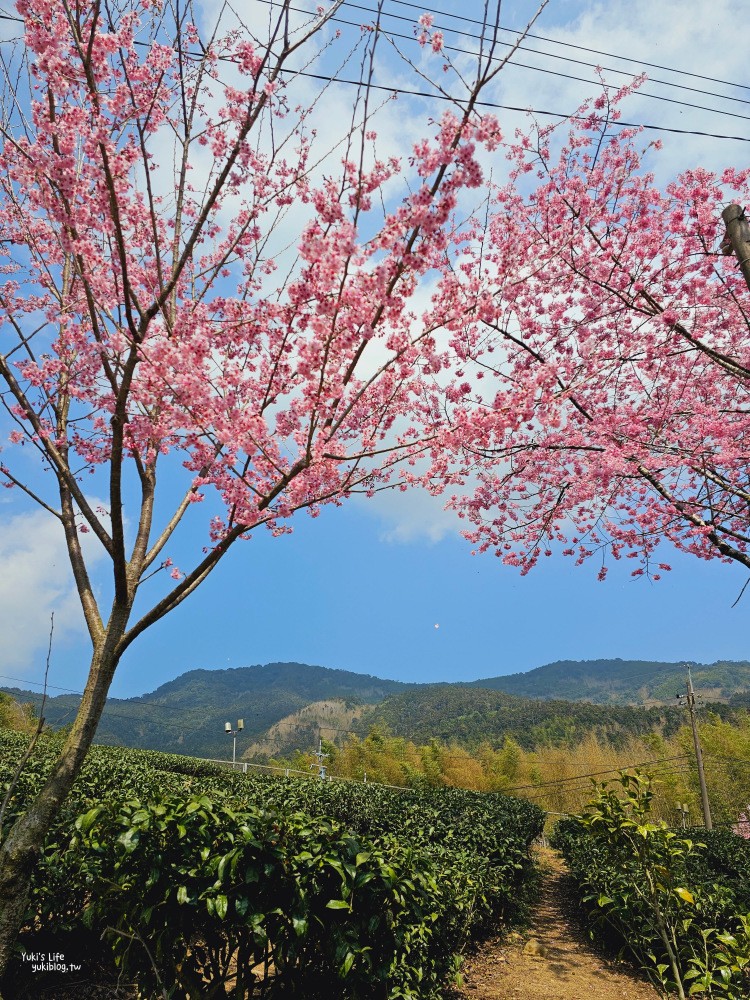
{"points": [[320, 758], [233, 733]]}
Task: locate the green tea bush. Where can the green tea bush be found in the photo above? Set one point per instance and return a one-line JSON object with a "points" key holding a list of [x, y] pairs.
{"points": [[197, 896], [497, 829], [726, 860], [61, 881], [202, 879], [637, 883]]}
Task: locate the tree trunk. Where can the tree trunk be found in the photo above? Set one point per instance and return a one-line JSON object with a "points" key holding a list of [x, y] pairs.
{"points": [[20, 851]]}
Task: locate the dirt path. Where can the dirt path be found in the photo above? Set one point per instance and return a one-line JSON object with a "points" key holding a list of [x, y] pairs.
{"points": [[553, 960]]}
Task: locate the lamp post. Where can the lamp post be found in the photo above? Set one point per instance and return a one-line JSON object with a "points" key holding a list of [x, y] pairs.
{"points": [[320, 759], [233, 733], [682, 809]]}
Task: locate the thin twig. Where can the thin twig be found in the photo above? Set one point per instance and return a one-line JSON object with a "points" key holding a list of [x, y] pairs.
{"points": [[739, 597], [137, 937]]}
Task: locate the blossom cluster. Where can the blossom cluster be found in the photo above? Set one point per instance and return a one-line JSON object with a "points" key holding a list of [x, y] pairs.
{"points": [[575, 376]]}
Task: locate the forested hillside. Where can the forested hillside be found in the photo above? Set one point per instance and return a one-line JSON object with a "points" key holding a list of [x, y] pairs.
{"points": [[187, 714], [558, 703], [623, 682], [473, 715]]}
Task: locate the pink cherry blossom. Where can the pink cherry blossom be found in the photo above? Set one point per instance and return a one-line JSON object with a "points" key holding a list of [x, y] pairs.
{"points": [[569, 366]]}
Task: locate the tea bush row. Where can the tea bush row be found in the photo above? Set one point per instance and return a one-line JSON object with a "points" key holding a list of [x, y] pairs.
{"points": [[726, 860], [659, 896], [199, 876]]}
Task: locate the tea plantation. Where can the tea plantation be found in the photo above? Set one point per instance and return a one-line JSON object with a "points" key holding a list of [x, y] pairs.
{"points": [[204, 883], [676, 903]]}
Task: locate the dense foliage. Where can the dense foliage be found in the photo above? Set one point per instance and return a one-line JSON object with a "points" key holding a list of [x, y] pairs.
{"points": [[725, 860], [471, 715], [203, 879], [678, 906]]}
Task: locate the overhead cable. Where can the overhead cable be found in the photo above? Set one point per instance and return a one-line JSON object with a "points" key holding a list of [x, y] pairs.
{"points": [[552, 72], [511, 107], [569, 45]]}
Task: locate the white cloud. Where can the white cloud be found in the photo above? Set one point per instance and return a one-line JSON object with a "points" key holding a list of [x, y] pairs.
{"points": [[683, 35], [35, 581], [413, 516]]}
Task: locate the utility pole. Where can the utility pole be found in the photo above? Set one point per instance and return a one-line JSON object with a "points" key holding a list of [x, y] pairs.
{"points": [[233, 733], [738, 238], [690, 700]]}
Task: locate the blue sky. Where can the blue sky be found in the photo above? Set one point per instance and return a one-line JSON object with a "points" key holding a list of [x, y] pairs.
{"points": [[362, 587], [340, 594]]}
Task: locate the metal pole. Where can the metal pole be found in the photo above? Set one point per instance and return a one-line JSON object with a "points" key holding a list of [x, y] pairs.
{"points": [[320, 758], [698, 754]]}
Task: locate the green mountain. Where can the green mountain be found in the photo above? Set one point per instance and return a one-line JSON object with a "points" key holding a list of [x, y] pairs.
{"points": [[187, 714], [624, 682], [554, 703], [470, 715]]}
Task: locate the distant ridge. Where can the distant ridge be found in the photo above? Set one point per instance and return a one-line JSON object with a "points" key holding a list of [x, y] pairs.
{"points": [[187, 714], [623, 682], [308, 682]]}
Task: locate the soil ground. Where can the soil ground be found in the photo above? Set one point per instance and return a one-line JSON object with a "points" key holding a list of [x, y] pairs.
{"points": [[553, 960]]}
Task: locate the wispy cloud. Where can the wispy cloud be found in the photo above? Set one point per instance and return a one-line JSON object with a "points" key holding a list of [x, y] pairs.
{"points": [[35, 580], [413, 516]]}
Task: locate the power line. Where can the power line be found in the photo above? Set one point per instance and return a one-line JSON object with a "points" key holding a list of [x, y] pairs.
{"points": [[656, 774], [540, 69], [596, 774], [568, 76], [719, 756], [107, 712], [569, 45], [511, 107], [135, 717], [312, 722], [25, 680], [422, 9], [587, 787]]}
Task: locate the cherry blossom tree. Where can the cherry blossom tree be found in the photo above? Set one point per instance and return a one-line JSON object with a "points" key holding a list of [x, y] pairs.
{"points": [[567, 354], [154, 332], [624, 353]]}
